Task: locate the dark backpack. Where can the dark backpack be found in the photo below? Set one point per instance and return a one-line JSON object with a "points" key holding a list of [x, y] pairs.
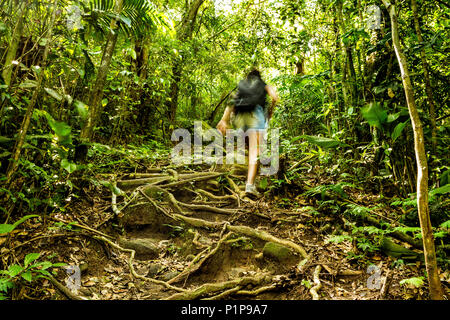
{"points": [[250, 93]]}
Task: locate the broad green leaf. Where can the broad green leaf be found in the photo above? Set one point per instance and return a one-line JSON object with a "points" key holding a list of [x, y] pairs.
{"points": [[68, 166], [61, 129], [30, 258], [81, 108], [44, 272], [44, 265], [27, 276], [14, 270], [6, 228], [28, 84], [54, 94], [68, 98], [81, 72], [398, 130], [5, 283], [374, 115], [392, 117], [324, 142], [133, 53]]}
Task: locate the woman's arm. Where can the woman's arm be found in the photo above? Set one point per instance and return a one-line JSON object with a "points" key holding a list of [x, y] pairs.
{"points": [[224, 123]]}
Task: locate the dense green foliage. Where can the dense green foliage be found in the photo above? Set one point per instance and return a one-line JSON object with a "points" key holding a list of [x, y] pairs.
{"points": [[342, 100]]}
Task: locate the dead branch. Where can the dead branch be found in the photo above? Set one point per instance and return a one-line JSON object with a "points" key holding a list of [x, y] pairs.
{"points": [[385, 287]]}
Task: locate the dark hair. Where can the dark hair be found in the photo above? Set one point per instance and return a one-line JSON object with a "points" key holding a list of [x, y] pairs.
{"points": [[254, 73]]}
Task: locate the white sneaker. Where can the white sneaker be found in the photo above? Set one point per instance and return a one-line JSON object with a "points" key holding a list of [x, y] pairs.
{"points": [[251, 189]]}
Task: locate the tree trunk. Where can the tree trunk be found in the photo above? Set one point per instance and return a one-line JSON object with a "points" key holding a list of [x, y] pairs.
{"points": [[352, 73], [95, 106], [29, 112], [436, 292], [174, 86], [344, 67], [14, 45], [300, 67], [426, 76], [184, 32]]}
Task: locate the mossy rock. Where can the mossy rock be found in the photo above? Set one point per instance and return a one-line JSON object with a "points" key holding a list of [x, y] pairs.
{"points": [[277, 252], [145, 249], [145, 214]]}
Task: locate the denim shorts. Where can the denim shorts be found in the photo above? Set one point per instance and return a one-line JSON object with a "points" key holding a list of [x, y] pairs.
{"points": [[255, 119]]}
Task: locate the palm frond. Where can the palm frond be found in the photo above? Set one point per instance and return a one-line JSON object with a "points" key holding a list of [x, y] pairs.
{"points": [[136, 18]]}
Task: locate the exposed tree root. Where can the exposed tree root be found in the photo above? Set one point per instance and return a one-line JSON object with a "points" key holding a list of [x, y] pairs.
{"points": [[130, 265], [194, 178], [142, 181], [224, 294], [64, 290], [144, 175], [194, 266], [83, 227], [212, 288], [257, 291], [213, 196], [234, 186], [208, 208], [243, 230], [317, 283], [196, 242], [180, 211]]}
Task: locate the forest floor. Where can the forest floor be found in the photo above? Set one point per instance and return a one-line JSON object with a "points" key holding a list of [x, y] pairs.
{"points": [[191, 233]]}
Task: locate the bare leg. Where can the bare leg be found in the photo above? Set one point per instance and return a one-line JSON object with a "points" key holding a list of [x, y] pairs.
{"points": [[253, 154]]}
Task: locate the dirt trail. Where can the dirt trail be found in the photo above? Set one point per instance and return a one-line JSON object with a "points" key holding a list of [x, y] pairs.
{"points": [[191, 233]]}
